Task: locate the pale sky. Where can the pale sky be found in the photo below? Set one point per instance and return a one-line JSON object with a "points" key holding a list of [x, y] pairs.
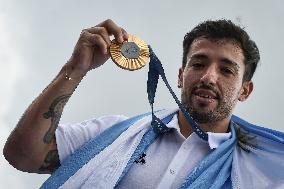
{"points": [[37, 38]]}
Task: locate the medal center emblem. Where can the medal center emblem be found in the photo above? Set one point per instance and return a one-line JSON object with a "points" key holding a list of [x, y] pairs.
{"points": [[130, 50]]}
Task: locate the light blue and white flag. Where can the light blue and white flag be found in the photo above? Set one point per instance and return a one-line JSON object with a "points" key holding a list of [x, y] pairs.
{"points": [[251, 158]]}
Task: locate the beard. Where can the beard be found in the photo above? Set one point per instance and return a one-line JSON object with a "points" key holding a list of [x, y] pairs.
{"points": [[223, 110]]}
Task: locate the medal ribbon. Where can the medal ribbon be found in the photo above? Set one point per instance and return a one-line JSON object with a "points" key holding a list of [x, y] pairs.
{"points": [[155, 70]]}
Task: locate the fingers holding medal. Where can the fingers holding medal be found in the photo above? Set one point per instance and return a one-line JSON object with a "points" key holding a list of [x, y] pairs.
{"points": [[127, 51], [95, 46]]}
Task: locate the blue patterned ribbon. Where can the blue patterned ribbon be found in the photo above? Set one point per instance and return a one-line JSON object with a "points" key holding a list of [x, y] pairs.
{"points": [[155, 70]]}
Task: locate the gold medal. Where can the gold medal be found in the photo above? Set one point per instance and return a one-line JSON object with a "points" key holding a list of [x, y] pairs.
{"points": [[132, 54]]}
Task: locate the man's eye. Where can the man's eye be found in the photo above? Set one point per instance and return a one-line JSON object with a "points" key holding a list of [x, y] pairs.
{"points": [[197, 65], [227, 71]]}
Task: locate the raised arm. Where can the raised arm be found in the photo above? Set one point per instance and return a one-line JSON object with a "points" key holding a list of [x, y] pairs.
{"points": [[32, 145]]}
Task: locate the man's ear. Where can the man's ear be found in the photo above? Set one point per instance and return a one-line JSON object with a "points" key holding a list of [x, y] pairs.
{"points": [[180, 77], [246, 90]]}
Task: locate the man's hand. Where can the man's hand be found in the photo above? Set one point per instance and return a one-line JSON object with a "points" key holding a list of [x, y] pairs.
{"points": [[91, 50]]}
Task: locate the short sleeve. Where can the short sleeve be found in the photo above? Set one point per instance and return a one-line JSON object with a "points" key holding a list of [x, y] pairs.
{"points": [[70, 137]]}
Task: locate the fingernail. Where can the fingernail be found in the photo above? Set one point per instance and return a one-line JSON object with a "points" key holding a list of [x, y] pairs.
{"points": [[121, 39], [125, 36], [104, 51]]}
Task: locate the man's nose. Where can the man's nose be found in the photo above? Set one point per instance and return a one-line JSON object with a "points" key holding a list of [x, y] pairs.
{"points": [[210, 76]]}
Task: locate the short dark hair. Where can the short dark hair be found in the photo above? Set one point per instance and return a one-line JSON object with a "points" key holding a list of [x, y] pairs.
{"points": [[225, 29]]}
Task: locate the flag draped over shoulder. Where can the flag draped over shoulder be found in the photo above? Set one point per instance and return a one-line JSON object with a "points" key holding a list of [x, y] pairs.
{"points": [[251, 158]]}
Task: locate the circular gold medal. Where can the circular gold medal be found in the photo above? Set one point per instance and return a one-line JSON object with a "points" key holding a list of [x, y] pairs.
{"points": [[132, 54]]}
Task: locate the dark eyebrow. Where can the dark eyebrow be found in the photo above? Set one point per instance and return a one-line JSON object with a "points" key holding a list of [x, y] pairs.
{"points": [[198, 56], [231, 63], [224, 61]]}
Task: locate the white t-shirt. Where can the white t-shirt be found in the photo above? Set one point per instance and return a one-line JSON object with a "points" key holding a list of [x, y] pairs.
{"points": [[165, 163]]}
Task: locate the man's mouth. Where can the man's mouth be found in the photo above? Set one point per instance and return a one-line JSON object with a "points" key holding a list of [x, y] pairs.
{"points": [[205, 96], [206, 93]]}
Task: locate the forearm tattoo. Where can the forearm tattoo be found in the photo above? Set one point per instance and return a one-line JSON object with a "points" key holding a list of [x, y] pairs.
{"points": [[51, 162], [55, 112]]}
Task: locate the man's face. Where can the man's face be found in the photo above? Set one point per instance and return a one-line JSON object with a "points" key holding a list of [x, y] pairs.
{"points": [[212, 79]]}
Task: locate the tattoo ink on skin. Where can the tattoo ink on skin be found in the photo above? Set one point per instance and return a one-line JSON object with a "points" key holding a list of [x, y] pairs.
{"points": [[55, 112], [51, 161]]}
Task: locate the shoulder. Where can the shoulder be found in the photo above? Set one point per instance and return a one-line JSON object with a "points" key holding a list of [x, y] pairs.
{"points": [[70, 136], [92, 125]]}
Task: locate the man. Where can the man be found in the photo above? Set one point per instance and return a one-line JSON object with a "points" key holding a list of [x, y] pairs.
{"points": [[219, 60]]}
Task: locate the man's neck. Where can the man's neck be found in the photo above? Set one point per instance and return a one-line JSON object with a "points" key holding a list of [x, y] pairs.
{"points": [[215, 127]]}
